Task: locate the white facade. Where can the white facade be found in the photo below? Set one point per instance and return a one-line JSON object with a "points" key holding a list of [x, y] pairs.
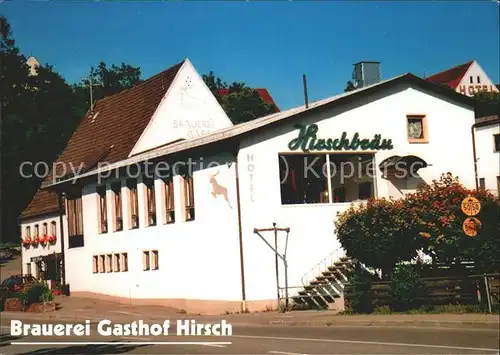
{"points": [[474, 81], [199, 264], [488, 157], [199, 260], [46, 225], [188, 110]]}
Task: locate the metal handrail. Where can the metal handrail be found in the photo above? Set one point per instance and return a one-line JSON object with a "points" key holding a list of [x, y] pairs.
{"points": [[322, 265]]}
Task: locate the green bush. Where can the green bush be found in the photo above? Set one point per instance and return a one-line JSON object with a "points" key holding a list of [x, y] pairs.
{"points": [[39, 293], [380, 234], [406, 288], [360, 299]]}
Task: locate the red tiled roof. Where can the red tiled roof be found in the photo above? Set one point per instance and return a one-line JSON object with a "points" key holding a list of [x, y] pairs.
{"points": [[451, 77], [109, 133], [263, 93]]}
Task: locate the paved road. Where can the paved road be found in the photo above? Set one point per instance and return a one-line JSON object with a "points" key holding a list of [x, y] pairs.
{"points": [[271, 340]]}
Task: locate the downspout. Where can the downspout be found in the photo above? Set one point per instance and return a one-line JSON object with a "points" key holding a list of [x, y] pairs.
{"points": [[61, 227], [240, 232], [474, 156]]}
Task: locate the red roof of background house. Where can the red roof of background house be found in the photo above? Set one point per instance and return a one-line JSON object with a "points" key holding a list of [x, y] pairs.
{"points": [[263, 93], [451, 77], [109, 133]]}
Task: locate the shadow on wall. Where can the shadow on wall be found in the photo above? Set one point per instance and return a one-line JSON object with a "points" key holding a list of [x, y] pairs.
{"points": [[407, 185]]}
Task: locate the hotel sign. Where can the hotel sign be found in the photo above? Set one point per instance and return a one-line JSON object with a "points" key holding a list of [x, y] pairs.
{"points": [[473, 89], [307, 140]]}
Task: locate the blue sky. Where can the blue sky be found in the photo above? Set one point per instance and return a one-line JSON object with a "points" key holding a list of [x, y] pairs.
{"points": [[265, 44]]}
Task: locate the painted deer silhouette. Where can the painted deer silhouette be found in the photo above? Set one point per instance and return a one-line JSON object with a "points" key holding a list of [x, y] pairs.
{"points": [[218, 189]]}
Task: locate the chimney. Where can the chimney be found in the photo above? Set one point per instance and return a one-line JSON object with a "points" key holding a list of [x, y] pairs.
{"points": [[366, 73]]}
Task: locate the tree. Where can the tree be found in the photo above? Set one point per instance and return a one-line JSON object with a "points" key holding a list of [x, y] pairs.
{"points": [[38, 117], [106, 81], [379, 234], [488, 97], [241, 103], [440, 222]]}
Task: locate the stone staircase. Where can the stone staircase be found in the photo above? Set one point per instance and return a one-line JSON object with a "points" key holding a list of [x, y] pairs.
{"points": [[324, 284]]}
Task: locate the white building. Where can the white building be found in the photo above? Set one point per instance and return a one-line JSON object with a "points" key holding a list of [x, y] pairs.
{"points": [[142, 229], [486, 134]]}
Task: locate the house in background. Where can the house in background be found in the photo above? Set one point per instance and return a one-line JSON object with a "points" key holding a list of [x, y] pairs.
{"points": [[467, 79], [33, 64]]}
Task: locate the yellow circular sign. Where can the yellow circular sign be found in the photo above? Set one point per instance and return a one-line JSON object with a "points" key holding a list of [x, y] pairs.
{"points": [[471, 206], [471, 226]]}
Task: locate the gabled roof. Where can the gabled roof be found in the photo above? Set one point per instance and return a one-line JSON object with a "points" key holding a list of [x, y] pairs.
{"points": [[251, 127], [451, 77], [109, 132]]}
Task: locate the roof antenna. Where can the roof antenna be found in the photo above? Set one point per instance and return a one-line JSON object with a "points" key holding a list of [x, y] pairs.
{"points": [[89, 78], [304, 80]]}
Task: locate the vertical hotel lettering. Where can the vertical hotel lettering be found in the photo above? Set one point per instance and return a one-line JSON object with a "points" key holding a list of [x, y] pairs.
{"points": [[251, 168]]}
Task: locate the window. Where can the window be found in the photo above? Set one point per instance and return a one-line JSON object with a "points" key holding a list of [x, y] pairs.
{"points": [[134, 204], [37, 230], [28, 232], [53, 229], [471, 79], [326, 178], [155, 262], [482, 184], [150, 202], [365, 190], [188, 197], [498, 187], [117, 200], [44, 229], [116, 263], [478, 79], [124, 262], [109, 263], [416, 128], [305, 183], [103, 211], [102, 265], [28, 269], [150, 260], [169, 200], [145, 261], [95, 264], [496, 138], [75, 221]]}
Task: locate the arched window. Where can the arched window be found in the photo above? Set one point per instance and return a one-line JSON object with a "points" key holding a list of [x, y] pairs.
{"points": [[28, 231], [53, 230], [37, 230], [44, 229]]}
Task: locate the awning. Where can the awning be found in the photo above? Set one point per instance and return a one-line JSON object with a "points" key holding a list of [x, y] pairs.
{"points": [[402, 166]]}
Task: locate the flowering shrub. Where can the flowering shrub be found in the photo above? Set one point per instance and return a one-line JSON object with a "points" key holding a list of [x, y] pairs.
{"points": [[439, 219], [379, 234], [383, 232]]}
